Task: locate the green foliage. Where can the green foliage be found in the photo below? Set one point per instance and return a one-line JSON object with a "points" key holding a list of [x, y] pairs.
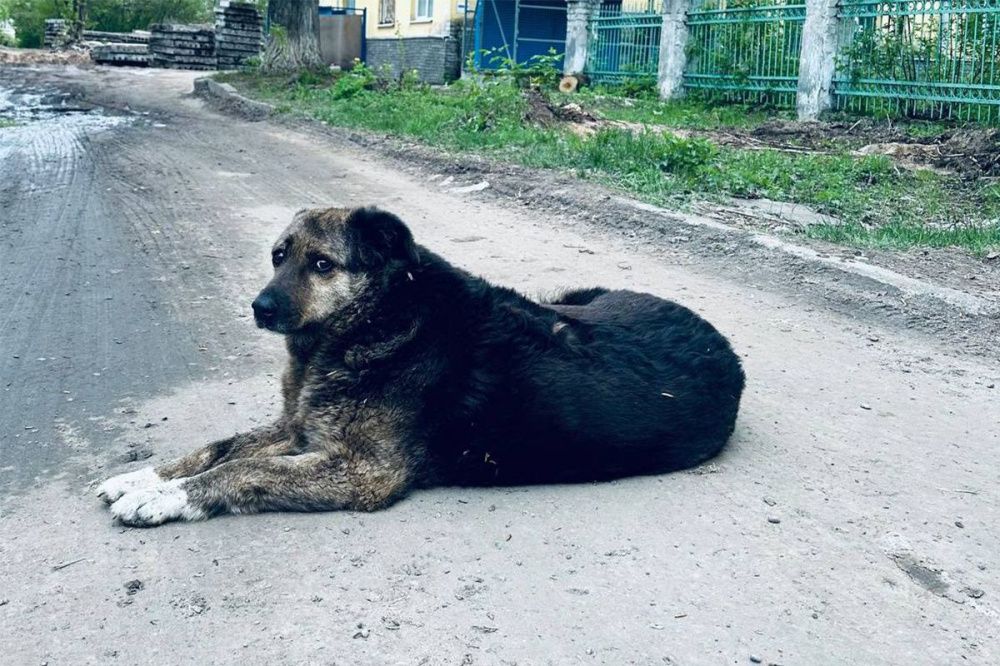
{"points": [[488, 105], [539, 71], [639, 87], [353, 83], [956, 48], [623, 151], [128, 15], [251, 64], [29, 16], [691, 112], [923, 48], [5, 38]]}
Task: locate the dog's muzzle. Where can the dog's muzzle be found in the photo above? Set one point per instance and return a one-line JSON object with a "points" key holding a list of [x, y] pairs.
{"points": [[265, 310]]}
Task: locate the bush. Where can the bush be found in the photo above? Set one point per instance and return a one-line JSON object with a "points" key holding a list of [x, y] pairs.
{"points": [[29, 16], [354, 82], [128, 15], [489, 105]]}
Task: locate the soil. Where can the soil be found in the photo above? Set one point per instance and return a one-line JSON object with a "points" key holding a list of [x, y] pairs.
{"points": [[969, 152]]}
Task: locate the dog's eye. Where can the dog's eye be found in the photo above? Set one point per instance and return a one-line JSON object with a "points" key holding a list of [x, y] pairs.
{"points": [[277, 257], [322, 265]]}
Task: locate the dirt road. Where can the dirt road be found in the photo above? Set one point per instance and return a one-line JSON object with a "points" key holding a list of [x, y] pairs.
{"points": [[852, 520]]}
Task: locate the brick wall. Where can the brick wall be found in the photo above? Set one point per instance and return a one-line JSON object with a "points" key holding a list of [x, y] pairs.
{"points": [[436, 59]]}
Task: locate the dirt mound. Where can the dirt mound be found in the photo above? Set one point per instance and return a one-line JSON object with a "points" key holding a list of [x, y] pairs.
{"points": [[542, 112], [539, 111], [44, 57], [819, 134], [971, 153]]}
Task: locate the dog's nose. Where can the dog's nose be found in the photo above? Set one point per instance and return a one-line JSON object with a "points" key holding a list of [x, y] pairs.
{"points": [[264, 307]]}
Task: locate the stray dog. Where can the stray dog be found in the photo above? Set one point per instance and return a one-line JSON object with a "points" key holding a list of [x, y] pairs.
{"points": [[405, 371]]}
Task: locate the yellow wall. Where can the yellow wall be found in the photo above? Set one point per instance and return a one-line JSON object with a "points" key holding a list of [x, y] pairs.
{"points": [[444, 12]]}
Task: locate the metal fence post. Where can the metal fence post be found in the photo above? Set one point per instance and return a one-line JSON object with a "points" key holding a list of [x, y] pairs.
{"points": [[673, 48], [817, 59], [578, 14]]}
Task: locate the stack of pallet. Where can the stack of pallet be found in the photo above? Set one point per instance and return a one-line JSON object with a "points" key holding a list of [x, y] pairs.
{"points": [[134, 37], [238, 33], [182, 46], [127, 55], [56, 33]]}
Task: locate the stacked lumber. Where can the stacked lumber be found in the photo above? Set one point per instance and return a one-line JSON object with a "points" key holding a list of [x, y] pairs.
{"points": [[238, 33], [182, 46], [56, 33], [127, 55]]}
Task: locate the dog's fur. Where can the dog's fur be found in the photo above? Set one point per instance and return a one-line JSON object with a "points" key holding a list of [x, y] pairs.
{"points": [[405, 371]]}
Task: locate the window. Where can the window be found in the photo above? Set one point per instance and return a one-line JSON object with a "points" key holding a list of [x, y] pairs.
{"points": [[423, 10], [386, 12]]}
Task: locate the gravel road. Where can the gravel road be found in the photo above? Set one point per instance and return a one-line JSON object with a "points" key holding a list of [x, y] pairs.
{"points": [[853, 519]]}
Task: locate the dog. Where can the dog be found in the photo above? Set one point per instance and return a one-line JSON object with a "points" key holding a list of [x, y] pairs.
{"points": [[406, 372]]}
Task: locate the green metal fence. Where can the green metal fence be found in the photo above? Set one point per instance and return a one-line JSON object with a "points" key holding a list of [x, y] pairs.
{"points": [[745, 50], [923, 58], [625, 41]]}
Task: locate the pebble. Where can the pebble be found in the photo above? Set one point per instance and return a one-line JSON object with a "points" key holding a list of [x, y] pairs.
{"points": [[755, 659], [773, 520], [959, 524], [865, 405]]}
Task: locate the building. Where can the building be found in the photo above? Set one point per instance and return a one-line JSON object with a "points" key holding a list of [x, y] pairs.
{"points": [[402, 35]]}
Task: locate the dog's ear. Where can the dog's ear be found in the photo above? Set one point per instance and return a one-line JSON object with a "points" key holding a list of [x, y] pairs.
{"points": [[380, 237]]}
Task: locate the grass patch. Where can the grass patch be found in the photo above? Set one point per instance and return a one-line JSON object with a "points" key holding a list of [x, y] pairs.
{"points": [[7, 122], [880, 204], [684, 114]]}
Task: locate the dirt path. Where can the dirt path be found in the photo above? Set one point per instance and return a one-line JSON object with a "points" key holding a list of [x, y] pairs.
{"points": [[852, 520]]}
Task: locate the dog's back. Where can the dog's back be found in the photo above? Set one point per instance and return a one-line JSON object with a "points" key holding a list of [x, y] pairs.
{"points": [[595, 385]]}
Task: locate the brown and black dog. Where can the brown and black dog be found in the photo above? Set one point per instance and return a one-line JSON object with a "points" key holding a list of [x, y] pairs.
{"points": [[405, 371]]}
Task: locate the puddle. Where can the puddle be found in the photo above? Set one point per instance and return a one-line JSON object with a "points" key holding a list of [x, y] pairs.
{"points": [[31, 113], [23, 104]]}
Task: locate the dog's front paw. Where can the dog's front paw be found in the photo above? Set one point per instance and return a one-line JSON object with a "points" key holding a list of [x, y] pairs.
{"points": [[155, 505], [116, 486]]}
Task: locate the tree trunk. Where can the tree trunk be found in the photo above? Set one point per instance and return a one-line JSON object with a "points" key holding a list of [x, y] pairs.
{"points": [[79, 19], [293, 41]]}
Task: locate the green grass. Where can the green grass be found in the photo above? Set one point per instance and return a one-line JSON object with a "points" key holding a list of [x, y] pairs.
{"points": [[7, 122], [880, 205], [683, 114]]}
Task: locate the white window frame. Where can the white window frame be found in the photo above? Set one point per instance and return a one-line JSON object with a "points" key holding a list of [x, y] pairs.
{"points": [[387, 12], [427, 6]]}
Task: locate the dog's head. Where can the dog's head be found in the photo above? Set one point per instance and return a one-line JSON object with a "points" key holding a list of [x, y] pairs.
{"points": [[328, 263]]}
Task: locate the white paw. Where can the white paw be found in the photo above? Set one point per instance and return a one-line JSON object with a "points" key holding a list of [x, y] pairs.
{"points": [[156, 505], [116, 486]]}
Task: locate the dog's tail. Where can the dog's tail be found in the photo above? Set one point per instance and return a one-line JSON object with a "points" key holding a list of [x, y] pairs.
{"points": [[579, 296]]}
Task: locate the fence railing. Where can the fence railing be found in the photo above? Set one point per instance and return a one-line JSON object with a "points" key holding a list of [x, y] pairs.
{"points": [[926, 58], [921, 58], [745, 53], [625, 41]]}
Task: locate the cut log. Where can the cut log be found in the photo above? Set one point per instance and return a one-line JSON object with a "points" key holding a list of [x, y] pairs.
{"points": [[569, 83]]}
